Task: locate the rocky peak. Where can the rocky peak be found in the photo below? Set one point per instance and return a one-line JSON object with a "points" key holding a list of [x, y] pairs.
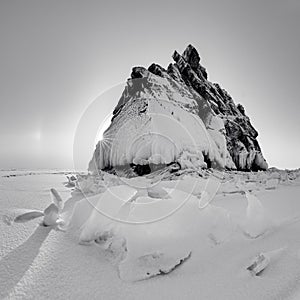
{"points": [[138, 72], [191, 56], [183, 88], [157, 70]]}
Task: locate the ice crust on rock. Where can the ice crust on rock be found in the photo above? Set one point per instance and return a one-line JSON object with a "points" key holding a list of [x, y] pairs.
{"points": [[164, 116]]}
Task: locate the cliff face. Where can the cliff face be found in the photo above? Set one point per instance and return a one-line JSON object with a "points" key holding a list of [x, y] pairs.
{"points": [[177, 115]]}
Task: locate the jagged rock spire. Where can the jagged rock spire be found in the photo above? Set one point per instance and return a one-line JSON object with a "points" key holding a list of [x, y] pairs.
{"points": [[186, 87]]}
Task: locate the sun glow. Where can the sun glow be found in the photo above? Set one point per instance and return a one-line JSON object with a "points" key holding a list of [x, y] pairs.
{"points": [[37, 135], [103, 126]]}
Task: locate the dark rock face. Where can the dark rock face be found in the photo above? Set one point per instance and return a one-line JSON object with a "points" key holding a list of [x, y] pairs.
{"points": [[187, 79], [240, 134]]}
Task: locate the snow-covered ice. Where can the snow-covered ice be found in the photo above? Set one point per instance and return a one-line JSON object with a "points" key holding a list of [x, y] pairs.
{"points": [[193, 237]]}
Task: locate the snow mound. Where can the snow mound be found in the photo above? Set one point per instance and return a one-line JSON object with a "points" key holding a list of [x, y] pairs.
{"points": [[149, 236]]}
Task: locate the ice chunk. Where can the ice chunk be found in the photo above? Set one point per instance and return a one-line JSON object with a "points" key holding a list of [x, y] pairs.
{"points": [[204, 200], [272, 183], [150, 265], [82, 211], [259, 263], [222, 225], [262, 261], [137, 182], [57, 200], [51, 215], [71, 180], [149, 209], [106, 207], [28, 216], [157, 192], [194, 185], [256, 222]]}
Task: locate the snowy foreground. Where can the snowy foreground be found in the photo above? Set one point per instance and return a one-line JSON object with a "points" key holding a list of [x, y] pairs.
{"points": [[215, 236]]}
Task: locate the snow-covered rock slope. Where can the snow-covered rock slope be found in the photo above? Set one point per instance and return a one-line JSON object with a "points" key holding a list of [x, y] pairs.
{"points": [[177, 115]]}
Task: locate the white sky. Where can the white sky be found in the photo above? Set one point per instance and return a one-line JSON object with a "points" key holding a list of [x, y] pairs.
{"points": [[56, 57]]}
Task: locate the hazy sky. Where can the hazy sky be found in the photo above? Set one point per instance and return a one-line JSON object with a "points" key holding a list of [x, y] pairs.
{"points": [[57, 56]]}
